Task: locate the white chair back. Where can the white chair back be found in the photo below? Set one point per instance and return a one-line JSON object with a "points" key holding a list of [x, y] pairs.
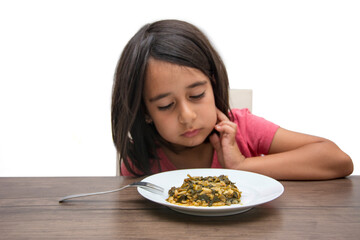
{"points": [[241, 98]]}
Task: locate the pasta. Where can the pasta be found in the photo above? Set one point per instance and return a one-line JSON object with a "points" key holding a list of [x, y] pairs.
{"points": [[205, 192]]}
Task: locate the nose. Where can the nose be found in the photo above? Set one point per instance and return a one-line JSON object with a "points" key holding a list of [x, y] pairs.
{"points": [[186, 113]]}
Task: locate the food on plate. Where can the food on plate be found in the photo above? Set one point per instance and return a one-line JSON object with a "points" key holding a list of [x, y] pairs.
{"points": [[205, 192]]}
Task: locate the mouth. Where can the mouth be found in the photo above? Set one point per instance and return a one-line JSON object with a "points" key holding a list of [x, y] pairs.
{"points": [[191, 133]]}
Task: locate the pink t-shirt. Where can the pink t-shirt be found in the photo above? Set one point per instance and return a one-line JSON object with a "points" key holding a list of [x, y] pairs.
{"points": [[254, 136]]}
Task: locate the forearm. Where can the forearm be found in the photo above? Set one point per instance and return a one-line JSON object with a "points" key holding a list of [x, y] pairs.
{"points": [[293, 156], [314, 161]]}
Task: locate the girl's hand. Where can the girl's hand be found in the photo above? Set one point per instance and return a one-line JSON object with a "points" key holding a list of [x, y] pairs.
{"points": [[227, 150]]}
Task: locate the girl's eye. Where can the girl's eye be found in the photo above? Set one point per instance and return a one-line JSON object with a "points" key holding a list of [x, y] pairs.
{"points": [[163, 108], [198, 96]]}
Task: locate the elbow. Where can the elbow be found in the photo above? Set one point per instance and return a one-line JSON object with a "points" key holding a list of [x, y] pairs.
{"points": [[347, 166], [344, 165], [341, 164]]}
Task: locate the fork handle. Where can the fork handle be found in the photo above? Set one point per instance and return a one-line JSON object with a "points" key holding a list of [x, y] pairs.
{"points": [[91, 194]]}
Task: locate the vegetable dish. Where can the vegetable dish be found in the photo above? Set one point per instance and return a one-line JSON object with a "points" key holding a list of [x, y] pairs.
{"points": [[205, 192]]}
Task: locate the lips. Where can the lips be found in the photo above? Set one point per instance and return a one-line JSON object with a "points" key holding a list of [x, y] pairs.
{"points": [[191, 133]]}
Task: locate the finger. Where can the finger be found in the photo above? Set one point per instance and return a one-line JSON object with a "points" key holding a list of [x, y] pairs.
{"points": [[215, 142], [227, 123], [221, 116], [226, 126], [227, 134]]}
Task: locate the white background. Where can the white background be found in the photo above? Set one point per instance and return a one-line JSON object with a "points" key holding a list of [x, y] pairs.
{"points": [[57, 60]]}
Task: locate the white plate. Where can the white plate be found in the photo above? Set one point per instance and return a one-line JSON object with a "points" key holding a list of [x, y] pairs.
{"points": [[256, 189]]}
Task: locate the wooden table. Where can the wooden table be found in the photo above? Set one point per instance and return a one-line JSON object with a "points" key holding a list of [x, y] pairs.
{"points": [[29, 209]]}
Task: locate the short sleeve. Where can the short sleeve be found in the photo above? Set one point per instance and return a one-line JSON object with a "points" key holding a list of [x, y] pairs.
{"points": [[255, 134]]}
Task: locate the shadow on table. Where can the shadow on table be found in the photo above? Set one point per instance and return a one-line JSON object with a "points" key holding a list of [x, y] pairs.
{"points": [[260, 213]]}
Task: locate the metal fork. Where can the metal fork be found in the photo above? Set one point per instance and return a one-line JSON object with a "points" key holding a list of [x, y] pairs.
{"points": [[145, 185]]}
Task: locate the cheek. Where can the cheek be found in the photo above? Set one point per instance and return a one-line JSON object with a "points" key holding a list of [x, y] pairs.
{"points": [[164, 126], [210, 111], [213, 117]]}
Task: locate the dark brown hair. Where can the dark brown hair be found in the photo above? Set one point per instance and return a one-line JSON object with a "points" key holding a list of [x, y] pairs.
{"points": [[172, 41]]}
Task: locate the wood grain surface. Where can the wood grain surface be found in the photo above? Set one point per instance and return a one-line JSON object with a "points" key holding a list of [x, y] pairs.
{"points": [[29, 209]]}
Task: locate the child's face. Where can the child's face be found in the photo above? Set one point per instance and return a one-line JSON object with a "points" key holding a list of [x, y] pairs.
{"points": [[180, 102]]}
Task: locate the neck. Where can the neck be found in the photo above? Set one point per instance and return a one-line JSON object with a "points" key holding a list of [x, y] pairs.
{"points": [[190, 157]]}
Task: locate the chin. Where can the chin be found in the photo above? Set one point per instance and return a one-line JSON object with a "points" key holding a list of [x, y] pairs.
{"points": [[195, 142], [193, 145]]}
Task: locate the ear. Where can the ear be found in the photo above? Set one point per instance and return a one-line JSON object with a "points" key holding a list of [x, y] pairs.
{"points": [[148, 119]]}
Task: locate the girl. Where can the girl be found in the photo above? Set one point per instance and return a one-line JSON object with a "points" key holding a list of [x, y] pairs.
{"points": [[170, 110]]}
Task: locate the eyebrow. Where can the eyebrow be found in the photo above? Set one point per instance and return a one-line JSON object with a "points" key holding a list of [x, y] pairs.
{"points": [[163, 95], [160, 96], [193, 85]]}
